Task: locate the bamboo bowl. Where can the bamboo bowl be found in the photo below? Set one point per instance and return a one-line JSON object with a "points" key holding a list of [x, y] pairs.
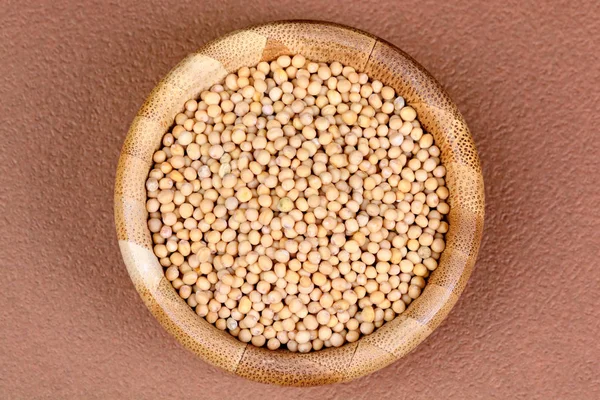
{"points": [[321, 42]]}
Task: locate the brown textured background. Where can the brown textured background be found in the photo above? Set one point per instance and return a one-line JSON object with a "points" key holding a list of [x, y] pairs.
{"points": [[526, 75]]}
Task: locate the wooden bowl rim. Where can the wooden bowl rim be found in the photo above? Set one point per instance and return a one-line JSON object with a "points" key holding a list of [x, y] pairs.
{"points": [[438, 114]]}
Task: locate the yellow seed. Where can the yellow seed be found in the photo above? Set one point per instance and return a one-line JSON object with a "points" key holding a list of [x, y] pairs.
{"points": [[285, 204], [408, 114], [243, 194], [176, 176], [368, 314], [244, 305], [212, 98]]}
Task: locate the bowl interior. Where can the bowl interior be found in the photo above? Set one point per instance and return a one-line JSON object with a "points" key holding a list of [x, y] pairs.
{"points": [[323, 43]]}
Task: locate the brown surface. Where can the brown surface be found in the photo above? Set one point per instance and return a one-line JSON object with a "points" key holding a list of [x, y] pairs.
{"points": [[321, 43], [525, 75]]}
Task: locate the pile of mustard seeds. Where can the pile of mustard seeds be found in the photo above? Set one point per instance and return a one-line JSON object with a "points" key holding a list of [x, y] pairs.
{"points": [[298, 204]]}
